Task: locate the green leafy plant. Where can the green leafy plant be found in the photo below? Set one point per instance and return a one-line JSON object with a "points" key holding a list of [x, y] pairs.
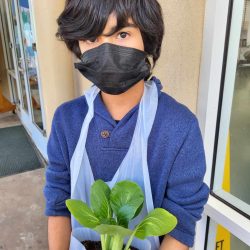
{"points": [[111, 210]]}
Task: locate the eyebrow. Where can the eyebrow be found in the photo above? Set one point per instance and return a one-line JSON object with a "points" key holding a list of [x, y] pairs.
{"points": [[114, 29]]}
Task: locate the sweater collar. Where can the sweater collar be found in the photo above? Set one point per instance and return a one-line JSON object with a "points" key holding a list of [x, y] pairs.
{"points": [[101, 109]]}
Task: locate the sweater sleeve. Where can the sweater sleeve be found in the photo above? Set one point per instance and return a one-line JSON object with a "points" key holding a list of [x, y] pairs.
{"points": [[186, 193], [57, 184]]}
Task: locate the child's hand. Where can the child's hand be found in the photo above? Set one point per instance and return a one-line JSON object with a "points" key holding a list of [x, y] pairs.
{"points": [[170, 243]]}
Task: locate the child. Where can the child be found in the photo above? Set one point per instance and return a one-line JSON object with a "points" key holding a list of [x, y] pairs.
{"points": [[131, 129]]}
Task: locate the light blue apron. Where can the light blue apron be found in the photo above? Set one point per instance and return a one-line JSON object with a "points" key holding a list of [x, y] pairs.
{"points": [[134, 167]]}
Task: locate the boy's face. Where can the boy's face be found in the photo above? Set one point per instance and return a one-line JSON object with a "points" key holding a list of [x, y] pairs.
{"points": [[129, 36]]}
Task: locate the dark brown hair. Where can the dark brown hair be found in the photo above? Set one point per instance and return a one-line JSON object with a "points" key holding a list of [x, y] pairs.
{"points": [[86, 20]]}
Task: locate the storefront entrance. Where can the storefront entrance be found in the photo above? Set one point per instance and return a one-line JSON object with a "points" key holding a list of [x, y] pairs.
{"points": [[22, 72]]}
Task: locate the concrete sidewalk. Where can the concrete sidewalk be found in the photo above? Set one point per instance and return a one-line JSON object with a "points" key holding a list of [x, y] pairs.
{"points": [[22, 222]]}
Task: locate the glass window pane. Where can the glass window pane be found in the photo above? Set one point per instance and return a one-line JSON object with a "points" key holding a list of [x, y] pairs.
{"points": [[7, 38], [30, 60], [232, 168], [17, 46], [220, 238]]}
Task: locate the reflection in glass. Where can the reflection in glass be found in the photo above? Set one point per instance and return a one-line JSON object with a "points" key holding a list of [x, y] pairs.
{"points": [[240, 117], [240, 136], [30, 60], [7, 38], [10, 56], [25, 104], [15, 91], [19, 56]]}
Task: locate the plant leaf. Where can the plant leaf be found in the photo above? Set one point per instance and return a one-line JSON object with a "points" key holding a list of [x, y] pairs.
{"points": [[113, 230], [110, 221], [124, 215], [158, 222], [82, 213], [126, 198], [138, 210], [99, 200]]}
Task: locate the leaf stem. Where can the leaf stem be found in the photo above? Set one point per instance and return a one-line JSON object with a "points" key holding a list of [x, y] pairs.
{"points": [[130, 240], [117, 242], [103, 241], [108, 239]]}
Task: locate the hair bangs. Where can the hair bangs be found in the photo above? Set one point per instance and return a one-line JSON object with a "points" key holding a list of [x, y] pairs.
{"points": [[87, 19]]}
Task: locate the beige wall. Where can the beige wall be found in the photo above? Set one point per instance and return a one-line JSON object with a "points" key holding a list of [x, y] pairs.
{"points": [[55, 61], [178, 66]]}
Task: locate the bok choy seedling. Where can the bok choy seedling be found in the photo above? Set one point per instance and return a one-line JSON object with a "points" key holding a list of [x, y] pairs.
{"points": [[111, 211]]}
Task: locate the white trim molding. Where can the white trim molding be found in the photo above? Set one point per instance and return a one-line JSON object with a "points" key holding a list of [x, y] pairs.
{"points": [[233, 221], [214, 32]]}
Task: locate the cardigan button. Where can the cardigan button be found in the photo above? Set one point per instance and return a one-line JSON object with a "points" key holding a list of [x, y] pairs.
{"points": [[105, 134]]}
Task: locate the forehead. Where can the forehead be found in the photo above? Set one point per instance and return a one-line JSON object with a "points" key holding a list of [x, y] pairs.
{"points": [[112, 19], [112, 22]]}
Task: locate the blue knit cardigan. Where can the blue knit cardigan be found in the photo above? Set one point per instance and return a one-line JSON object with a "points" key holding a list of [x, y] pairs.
{"points": [[176, 157]]}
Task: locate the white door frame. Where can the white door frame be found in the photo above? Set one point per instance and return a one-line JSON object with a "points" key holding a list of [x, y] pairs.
{"points": [[39, 80], [214, 34]]}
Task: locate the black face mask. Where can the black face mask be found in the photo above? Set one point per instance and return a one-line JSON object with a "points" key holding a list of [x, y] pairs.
{"points": [[112, 68]]}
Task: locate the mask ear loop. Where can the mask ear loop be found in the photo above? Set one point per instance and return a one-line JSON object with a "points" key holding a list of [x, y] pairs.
{"points": [[149, 61]]}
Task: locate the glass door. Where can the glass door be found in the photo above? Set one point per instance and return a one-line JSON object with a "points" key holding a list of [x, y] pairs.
{"points": [[23, 68], [9, 57], [30, 61], [18, 53], [25, 56]]}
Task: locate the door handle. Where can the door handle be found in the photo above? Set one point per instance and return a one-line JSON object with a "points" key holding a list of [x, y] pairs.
{"points": [[34, 46]]}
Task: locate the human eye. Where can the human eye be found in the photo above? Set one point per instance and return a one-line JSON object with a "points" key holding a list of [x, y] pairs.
{"points": [[91, 40], [123, 35]]}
